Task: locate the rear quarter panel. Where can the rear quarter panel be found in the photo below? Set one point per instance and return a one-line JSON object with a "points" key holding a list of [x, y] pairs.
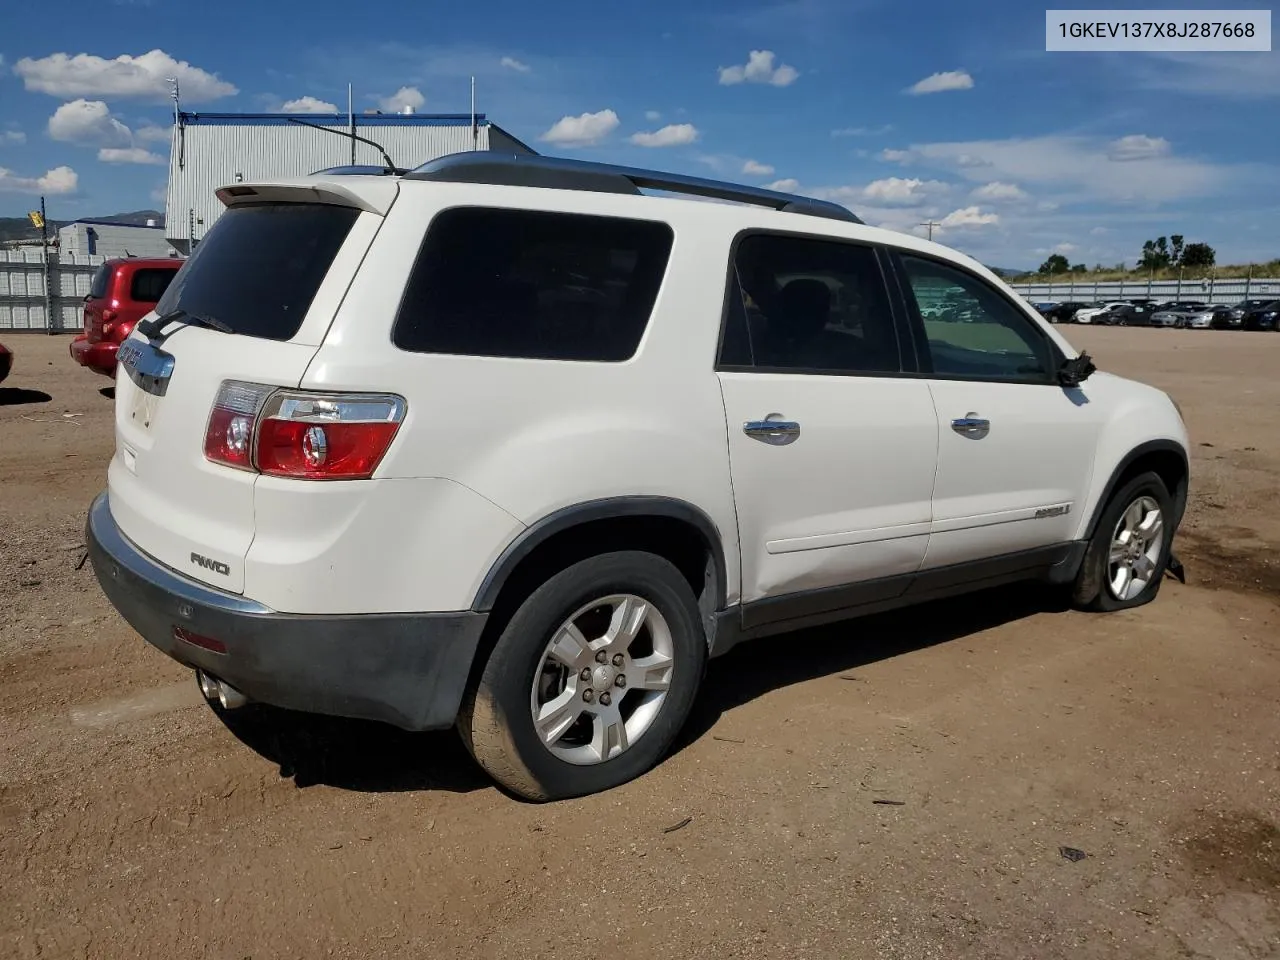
{"points": [[535, 436]]}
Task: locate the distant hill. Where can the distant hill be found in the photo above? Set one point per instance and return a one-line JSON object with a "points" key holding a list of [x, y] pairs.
{"points": [[20, 228]]}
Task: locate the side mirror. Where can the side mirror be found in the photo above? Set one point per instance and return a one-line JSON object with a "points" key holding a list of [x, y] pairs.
{"points": [[1076, 370]]}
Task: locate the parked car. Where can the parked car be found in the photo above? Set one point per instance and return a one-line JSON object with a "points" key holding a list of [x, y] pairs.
{"points": [[1087, 314], [121, 293], [1215, 316], [1241, 310], [1044, 306], [559, 554], [1175, 314], [6, 361], [1124, 315], [1065, 312], [1263, 317]]}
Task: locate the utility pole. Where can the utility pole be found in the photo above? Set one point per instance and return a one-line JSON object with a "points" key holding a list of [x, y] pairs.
{"points": [[930, 224], [48, 272]]}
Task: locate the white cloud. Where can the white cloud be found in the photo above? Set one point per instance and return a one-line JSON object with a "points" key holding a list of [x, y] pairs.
{"points": [[152, 134], [404, 97], [584, 130], [1138, 146], [1098, 231], [785, 185], [753, 168], [159, 193], [672, 135], [88, 122], [13, 136], [969, 217], [759, 68], [899, 191], [306, 105], [939, 82], [511, 63], [64, 75], [59, 180], [1080, 167], [129, 155], [653, 116], [997, 192], [1065, 248]]}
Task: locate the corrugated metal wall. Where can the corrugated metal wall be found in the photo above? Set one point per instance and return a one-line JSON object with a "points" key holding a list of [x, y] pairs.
{"points": [[22, 289], [206, 156], [1210, 291]]}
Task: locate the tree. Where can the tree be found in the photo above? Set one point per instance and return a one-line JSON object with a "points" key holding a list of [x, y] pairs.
{"points": [[1198, 255], [1175, 243], [1155, 254], [1079, 268], [1056, 263]]}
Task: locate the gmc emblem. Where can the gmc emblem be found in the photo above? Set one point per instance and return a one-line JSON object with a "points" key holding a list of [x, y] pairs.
{"points": [[215, 565]]}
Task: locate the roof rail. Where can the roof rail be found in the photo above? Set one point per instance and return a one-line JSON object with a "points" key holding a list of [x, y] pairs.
{"points": [[360, 170], [521, 170]]}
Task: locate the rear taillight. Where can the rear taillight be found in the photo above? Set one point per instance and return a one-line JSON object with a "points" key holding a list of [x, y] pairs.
{"points": [[285, 433], [228, 439], [326, 437]]}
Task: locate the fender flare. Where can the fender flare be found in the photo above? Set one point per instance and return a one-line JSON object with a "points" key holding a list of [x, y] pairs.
{"points": [[608, 508], [1141, 450]]}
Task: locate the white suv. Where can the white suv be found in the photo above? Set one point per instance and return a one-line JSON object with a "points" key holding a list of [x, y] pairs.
{"points": [[506, 444]]}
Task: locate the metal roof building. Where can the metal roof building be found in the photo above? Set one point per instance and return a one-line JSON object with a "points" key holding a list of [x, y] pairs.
{"points": [[211, 150], [108, 239]]}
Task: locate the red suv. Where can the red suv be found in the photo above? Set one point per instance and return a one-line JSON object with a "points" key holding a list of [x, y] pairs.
{"points": [[122, 293]]}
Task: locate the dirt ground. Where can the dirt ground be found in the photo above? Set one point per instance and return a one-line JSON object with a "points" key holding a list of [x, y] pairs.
{"points": [[898, 787]]}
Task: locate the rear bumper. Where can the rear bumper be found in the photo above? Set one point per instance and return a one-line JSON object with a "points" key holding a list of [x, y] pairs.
{"points": [[409, 670], [99, 357]]}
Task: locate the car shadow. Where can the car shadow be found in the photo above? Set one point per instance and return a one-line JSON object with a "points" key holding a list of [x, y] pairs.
{"points": [[357, 755], [368, 757], [15, 396], [108, 392], [758, 667]]}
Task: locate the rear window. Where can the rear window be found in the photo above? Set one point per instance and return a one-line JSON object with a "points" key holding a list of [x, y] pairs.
{"points": [[530, 284], [98, 285], [259, 267], [149, 285]]}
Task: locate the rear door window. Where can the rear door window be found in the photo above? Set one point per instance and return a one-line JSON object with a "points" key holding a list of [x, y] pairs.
{"points": [[259, 267], [149, 285], [534, 285], [98, 285]]}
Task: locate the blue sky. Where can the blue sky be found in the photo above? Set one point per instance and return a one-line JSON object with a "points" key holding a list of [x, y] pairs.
{"points": [[903, 112]]}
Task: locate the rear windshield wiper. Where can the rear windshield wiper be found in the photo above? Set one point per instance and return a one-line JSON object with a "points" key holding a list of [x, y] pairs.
{"points": [[152, 327]]}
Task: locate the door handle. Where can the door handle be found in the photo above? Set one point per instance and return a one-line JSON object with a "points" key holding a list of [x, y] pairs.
{"points": [[772, 429], [972, 426]]}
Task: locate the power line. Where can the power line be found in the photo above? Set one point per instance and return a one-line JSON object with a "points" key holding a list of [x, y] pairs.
{"points": [[930, 224]]}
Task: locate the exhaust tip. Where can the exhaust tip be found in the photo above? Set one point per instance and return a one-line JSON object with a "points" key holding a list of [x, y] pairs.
{"points": [[230, 697], [220, 692]]}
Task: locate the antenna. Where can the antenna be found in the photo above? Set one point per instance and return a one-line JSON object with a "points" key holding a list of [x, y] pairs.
{"points": [[351, 117], [391, 167], [930, 224], [173, 82], [475, 132]]}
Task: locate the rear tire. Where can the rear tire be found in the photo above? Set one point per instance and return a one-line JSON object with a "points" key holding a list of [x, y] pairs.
{"points": [[1125, 561], [591, 679]]}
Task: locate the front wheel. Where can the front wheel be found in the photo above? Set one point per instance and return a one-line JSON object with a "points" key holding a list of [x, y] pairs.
{"points": [[590, 680], [1125, 561]]}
